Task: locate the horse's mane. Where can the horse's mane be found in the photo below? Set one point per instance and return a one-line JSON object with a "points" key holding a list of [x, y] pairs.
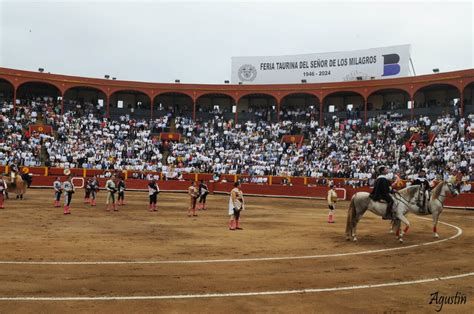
{"points": [[437, 190], [409, 191]]}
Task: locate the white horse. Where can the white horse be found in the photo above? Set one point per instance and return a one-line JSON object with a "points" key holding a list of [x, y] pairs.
{"points": [[434, 206], [361, 202]]}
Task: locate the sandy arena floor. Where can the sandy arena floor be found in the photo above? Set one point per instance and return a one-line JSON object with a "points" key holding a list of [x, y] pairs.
{"points": [[137, 261]]}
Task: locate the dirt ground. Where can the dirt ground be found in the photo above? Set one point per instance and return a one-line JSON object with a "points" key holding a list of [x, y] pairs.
{"points": [[32, 231]]}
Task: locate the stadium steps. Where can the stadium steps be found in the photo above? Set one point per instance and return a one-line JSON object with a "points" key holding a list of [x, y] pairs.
{"points": [[431, 138], [172, 126], [43, 155], [417, 138], [164, 160]]}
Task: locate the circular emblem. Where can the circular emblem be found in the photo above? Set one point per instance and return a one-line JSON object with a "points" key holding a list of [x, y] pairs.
{"points": [[40, 129], [292, 139], [247, 72], [25, 170], [170, 135]]}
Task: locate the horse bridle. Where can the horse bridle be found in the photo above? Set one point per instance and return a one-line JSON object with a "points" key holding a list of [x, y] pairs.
{"points": [[452, 189], [406, 202]]}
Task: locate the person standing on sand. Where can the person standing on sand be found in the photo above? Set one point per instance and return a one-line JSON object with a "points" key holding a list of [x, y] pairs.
{"points": [[332, 199], [68, 188], [121, 192], [58, 190], [236, 206], [153, 191], [193, 195], [111, 190], [203, 192]]}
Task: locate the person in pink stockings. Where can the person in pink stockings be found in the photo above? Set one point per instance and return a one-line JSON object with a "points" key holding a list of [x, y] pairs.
{"points": [[68, 189], [3, 188], [58, 190], [153, 191], [332, 199], [236, 206], [94, 186]]}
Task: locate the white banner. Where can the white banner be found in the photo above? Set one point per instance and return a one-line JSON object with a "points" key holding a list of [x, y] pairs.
{"points": [[375, 63]]}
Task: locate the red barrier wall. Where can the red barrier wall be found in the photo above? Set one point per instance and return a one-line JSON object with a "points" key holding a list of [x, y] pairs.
{"points": [[465, 200], [44, 171]]}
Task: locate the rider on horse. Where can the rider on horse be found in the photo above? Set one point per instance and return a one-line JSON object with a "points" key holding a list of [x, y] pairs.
{"points": [[425, 186], [382, 190], [14, 170]]}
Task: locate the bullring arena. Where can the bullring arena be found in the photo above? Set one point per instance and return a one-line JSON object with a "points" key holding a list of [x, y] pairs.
{"points": [[131, 97], [287, 258]]}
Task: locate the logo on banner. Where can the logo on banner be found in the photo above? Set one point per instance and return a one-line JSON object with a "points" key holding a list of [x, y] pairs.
{"points": [[390, 64], [247, 72]]}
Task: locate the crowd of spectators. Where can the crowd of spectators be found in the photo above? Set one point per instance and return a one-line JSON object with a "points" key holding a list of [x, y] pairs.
{"points": [[15, 143], [299, 114], [343, 148], [89, 142]]}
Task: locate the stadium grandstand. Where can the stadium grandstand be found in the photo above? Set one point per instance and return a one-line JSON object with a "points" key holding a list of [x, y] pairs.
{"points": [[314, 131], [236, 156]]}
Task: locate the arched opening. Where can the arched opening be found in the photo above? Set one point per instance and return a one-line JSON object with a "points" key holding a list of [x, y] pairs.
{"points": [[299, 107], [211, 105], [436, 99], [39, 97], [129, 103], [468, 95], [388, 100], [173, 104], [343, 105], [257, 107], [84, 99], [6, 91]]}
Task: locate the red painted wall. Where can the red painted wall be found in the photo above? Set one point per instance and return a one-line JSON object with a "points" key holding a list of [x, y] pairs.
{"points": [[464, 200]]}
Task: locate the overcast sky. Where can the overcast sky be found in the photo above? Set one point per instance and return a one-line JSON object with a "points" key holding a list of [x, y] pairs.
{"points": [[195, 40]]}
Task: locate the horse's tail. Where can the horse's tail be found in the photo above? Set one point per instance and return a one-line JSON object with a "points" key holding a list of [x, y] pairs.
{"points": [[350, 216]]}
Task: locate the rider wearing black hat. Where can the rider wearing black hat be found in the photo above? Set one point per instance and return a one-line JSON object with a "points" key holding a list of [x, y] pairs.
{"points": [[424, 186], [14, 169], [382, 190]]}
